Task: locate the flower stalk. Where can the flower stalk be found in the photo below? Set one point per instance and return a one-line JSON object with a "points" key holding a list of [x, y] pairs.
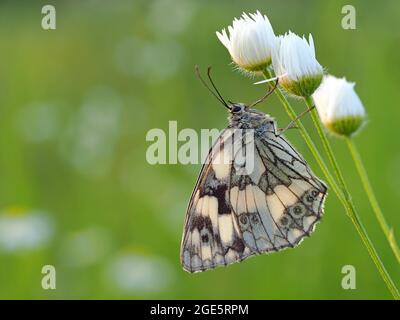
{"points": [[349, 205], [342, 113], [325, 142], [372, 198]]}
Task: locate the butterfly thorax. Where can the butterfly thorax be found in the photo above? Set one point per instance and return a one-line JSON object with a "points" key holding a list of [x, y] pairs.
{"points": [[251, 119]]}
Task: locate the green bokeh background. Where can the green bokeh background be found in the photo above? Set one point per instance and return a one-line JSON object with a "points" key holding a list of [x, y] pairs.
{"points": [[76, 104]]}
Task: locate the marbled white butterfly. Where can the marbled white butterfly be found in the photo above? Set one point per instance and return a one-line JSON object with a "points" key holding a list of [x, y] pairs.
{"points": [[234, 215]]}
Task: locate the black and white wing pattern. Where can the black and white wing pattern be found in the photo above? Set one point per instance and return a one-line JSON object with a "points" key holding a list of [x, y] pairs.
{"points": [[232, 216]]}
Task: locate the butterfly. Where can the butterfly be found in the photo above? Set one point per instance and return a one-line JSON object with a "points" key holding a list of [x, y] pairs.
{"points": [[238, 210]]}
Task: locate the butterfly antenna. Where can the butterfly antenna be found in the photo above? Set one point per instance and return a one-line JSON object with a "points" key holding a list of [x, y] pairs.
{"points": [[217, 95], [266, 95], [215, 87]]}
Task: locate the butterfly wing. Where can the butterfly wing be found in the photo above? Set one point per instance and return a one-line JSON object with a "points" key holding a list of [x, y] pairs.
{"points": [[210, 236], [232, 216]]}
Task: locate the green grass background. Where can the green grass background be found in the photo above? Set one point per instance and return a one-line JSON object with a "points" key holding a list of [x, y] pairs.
{"points": [[76, 104]]}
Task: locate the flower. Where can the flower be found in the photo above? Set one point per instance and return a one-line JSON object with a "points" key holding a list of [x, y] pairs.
{"points": [[250, 41], [294, 62], [85, 247], [22, 229], [139, 274], [339, 107]]}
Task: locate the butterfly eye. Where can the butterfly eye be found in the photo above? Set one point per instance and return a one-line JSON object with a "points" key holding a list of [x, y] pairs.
{"points": [[236, 109]]}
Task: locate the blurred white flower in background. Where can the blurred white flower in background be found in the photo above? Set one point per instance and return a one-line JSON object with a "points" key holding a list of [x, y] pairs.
{"points": [[250, 41], [22, 230], [294, 61], [92, 133], [180, 15], [152, 60], [85, 247], [339, 107], [140, 274]]}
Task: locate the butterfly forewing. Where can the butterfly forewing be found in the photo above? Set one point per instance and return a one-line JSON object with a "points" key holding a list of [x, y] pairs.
{"points": [[234, 214]]}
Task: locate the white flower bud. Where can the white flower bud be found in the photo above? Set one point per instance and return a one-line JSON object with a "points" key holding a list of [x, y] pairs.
{"points": [[250, 41], [294, 62], [339, 107]]}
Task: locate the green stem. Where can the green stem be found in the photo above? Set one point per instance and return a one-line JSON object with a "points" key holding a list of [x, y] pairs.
{"points": [[372, 199], [351, 211], [325, 143]]}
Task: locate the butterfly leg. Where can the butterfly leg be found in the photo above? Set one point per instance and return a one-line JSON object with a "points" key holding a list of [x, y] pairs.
{"points": [[292, 123], [282, 130], [270, 91]]}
